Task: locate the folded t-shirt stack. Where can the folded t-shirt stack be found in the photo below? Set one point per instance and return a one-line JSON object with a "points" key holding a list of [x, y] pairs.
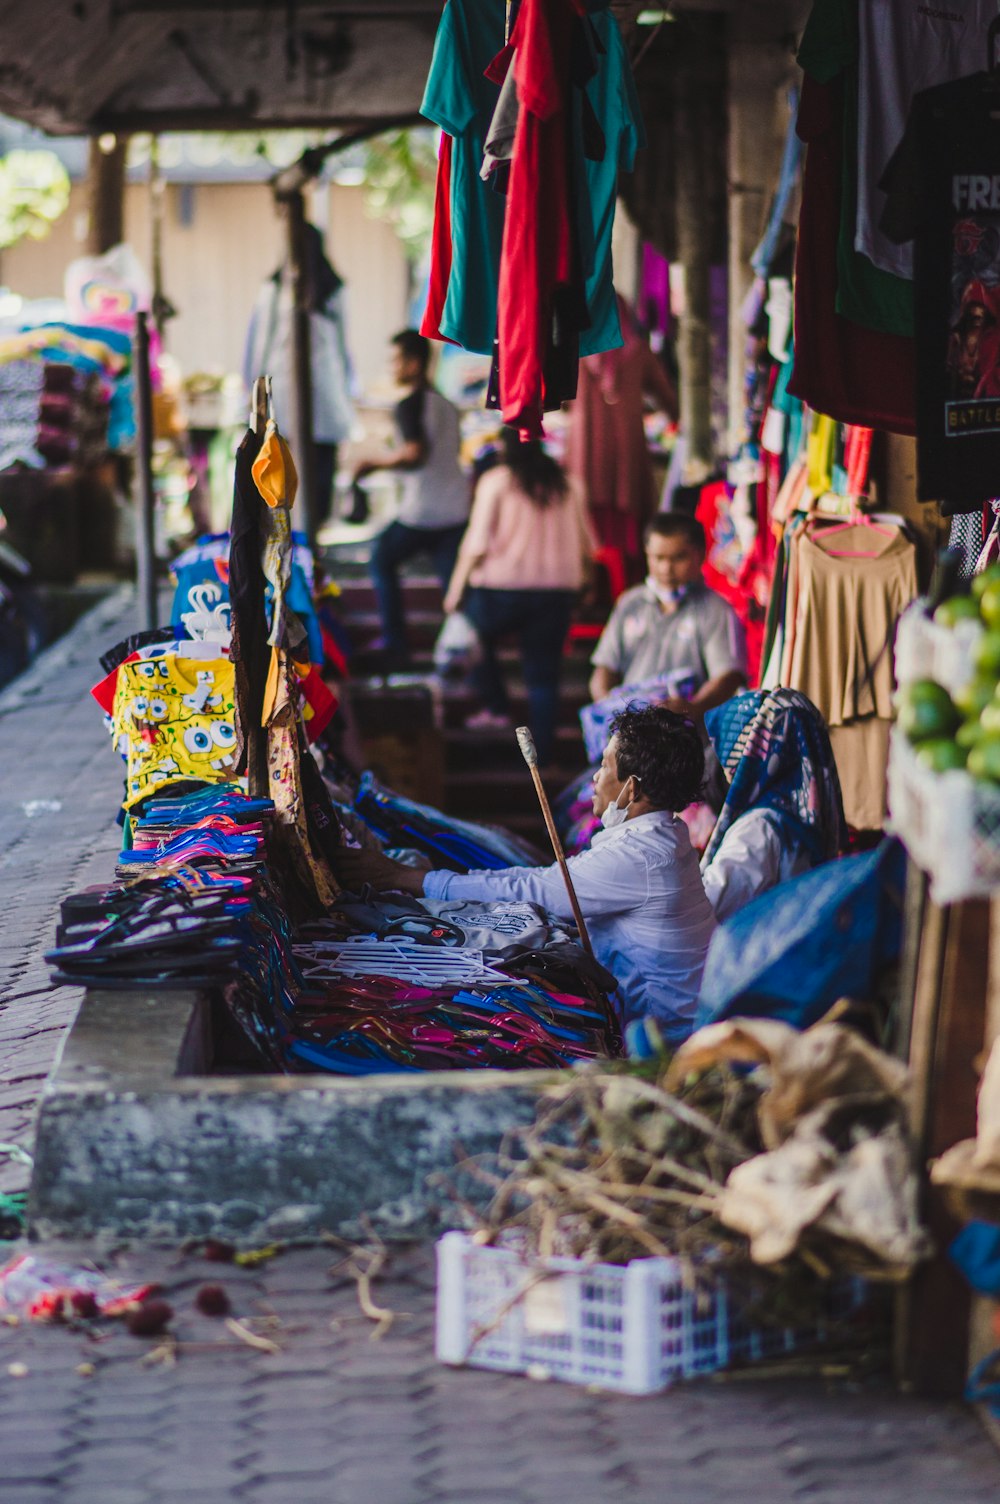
{"points": [[51, 415]]}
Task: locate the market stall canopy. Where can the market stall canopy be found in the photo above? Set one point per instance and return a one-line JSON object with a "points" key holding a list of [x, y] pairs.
{"points": [[85, 66], [76, 67]]}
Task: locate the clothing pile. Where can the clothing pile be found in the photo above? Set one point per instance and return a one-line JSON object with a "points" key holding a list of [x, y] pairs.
{"points": [[538, 111], [169, 705], [203, 607], [191, 905], [396, 983], [101, 414], [459, 845], [50, 415]]}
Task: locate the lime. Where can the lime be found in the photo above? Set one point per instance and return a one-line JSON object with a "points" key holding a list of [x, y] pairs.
{"points": [[988, 655], [974, 697], [969, 733], [989, 604], [926, 711], [941, 755], [989, 576], [984, 759], [959, 608]]}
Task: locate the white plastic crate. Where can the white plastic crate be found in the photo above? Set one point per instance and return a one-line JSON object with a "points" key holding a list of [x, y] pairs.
{"points": [[633, 1328], [926, 651], [948, 822]]}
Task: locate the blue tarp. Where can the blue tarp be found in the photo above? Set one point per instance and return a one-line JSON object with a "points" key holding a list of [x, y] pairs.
{"points": [[794, 951]]}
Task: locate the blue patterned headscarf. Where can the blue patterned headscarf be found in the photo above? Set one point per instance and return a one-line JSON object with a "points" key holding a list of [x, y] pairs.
{"points": [[775, 749]]}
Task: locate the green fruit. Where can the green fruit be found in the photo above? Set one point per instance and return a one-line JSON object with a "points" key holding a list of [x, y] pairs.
{"points": [[989, 576], [972, 699], [959, 608], [926, 711], [990, 719], [987, 658], [941, 756], [984, 759], [969, 733], [989, 604]]}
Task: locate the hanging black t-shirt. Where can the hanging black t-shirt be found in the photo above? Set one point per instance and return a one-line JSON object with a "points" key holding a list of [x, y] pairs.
{"points": [[943, 187]]}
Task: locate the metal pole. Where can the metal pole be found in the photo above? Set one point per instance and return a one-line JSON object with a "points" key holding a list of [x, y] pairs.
{"points": [[302, 364], [145, 559]]}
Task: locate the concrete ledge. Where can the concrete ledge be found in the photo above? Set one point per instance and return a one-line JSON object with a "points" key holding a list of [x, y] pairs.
{"points": [[129, 1146]]}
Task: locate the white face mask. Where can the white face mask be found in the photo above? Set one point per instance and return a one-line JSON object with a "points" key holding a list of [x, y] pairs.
{"points": [[615, 813], [667, 595]]}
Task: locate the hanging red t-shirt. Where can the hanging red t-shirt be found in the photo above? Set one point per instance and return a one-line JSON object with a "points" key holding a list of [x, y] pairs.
{"points": [[732, 572], [537, 250], [851, 373], [440, 272]]}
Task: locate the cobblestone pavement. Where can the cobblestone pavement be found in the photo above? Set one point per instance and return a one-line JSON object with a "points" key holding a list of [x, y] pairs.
{"points": [[60, 787], [333, 1417], [337, 1418]]}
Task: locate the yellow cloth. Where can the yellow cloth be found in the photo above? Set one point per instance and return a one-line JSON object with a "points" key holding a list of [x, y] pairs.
{"points": [[173, 722], [819, 453], [31, 341], [274, 470]]}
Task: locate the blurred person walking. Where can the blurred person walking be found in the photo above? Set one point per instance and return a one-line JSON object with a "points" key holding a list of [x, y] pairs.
{"points": [[525, 557], [435, 501]]}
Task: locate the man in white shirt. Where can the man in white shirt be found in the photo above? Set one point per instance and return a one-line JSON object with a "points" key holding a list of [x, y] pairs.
{"points": [[638, 884], [436, 495]]}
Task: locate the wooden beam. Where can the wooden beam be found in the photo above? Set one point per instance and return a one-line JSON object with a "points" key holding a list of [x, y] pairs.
{"points": [[106, 194]]}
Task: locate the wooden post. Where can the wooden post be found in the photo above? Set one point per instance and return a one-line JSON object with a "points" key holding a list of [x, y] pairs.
{"points": [[932, 1312], [302, 433], [694, 255], [106, 193], [761, 69], [986, 1310], [145, 558]]}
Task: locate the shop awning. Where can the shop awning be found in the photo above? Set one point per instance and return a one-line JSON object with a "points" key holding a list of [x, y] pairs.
{"points": [[84, 66]]}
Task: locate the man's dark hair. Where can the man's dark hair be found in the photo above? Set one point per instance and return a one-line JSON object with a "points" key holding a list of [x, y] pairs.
{"points": [[663, 752], [677, 525], [413, 346]]}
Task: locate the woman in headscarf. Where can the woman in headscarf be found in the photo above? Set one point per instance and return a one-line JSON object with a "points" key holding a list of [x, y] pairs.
{"points": [[783, 812]]}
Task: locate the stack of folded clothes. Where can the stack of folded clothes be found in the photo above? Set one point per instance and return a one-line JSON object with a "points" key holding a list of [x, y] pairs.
{"points": [[182, 909]]}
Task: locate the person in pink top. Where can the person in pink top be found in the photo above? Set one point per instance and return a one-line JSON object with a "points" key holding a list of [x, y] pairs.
{"points": [[524, 558]]}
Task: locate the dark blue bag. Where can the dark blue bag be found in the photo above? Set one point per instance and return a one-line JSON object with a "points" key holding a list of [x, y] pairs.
{"points": [[794, 951]]}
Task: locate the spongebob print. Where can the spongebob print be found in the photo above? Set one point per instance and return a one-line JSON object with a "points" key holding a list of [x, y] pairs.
{"points": [[173, 722]]}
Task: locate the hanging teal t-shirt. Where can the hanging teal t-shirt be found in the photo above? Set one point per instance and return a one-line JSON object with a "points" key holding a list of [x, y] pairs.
{"points": [[460, 100], [613, 95]]}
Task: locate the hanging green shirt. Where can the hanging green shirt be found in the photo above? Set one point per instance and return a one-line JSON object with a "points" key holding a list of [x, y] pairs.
{"points": [[460, 99], [612, 94]]}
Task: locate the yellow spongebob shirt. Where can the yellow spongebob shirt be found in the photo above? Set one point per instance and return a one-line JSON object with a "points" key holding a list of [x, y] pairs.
{"points": [[173, 722]]}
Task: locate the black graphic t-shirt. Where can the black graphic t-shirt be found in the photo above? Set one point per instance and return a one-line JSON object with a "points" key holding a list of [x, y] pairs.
{"points": [[943, 187]]}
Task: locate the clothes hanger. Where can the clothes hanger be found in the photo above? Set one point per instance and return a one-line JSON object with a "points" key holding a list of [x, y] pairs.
{"points": [[261, 404], [858, 519]]}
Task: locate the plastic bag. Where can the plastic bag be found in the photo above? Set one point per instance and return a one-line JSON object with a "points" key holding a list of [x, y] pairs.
{"points": [[458, 648], [42, 1290]]}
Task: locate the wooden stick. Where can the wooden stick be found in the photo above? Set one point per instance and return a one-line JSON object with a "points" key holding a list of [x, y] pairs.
{"points": [[526, 742]]}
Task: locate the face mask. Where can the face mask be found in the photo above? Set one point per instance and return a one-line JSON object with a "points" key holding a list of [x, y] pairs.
{"points": [[615, 814], [670, 596]]}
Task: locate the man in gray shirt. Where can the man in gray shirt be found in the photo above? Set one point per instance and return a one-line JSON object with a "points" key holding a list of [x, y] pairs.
{"points": [[434, 507], [673, 624]]}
